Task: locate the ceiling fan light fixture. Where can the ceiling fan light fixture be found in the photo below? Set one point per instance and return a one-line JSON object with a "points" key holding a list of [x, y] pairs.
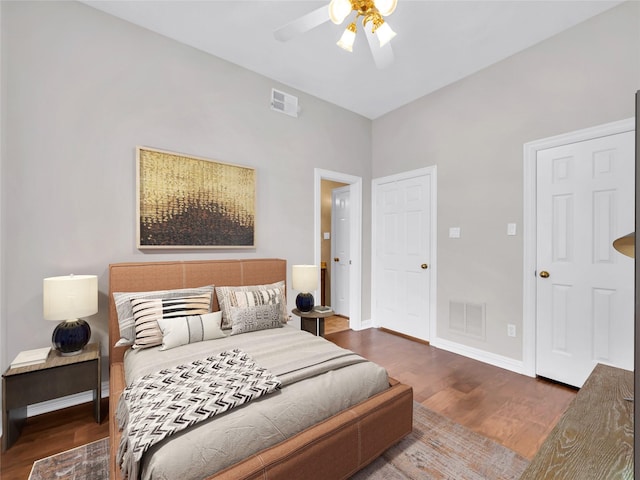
{"points": [[386, 7], [338, 10], [384, 33], [348, 38]]}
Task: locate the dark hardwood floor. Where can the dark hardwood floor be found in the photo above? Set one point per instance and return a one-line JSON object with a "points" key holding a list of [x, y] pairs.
{"points": [[336, 323], [517, 411], [51, 433], [514, 410]]}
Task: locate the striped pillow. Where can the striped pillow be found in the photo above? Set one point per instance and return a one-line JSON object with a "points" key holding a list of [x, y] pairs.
{"points": [[184, 330], [251, 296], [126, 322], [147, 312]]}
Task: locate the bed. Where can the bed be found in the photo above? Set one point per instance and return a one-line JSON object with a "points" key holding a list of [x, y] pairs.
{"points": [[331, 448]]}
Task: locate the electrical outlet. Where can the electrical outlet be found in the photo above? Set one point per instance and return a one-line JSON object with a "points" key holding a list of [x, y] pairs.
{"points": [[511, 330]]}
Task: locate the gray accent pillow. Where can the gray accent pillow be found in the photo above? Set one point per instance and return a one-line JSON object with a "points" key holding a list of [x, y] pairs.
{"points": [[126, 322], [259, 317], [251, 296]]}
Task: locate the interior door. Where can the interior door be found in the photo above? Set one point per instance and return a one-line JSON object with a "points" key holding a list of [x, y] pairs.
{"points": [[340, 253], [584, 305], [402, 254]]}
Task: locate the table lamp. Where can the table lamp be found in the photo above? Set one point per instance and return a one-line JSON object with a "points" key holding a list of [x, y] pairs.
{"points": [[67, 298], [304, 279]]}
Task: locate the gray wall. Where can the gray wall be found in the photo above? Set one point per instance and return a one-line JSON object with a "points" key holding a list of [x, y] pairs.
{"points": [[81, 90], [474, 131]]}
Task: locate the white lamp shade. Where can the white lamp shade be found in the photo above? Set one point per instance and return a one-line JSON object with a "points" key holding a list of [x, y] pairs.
{"points": [[346, 40], [386, 7], [70, 297], [385, 34], [338, 10], [304, 278]]}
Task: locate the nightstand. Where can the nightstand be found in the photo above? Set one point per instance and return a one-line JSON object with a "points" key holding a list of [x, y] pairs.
{"points": [[313, 321], [57, 377]]}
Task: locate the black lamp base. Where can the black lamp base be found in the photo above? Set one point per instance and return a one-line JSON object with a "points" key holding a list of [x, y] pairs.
{"points": [[71, 336], [304, 302]]}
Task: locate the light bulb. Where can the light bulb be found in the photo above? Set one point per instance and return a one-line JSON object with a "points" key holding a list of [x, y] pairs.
{"points": [[385, 34], [347, 38], [385, 7], [338, 10]]}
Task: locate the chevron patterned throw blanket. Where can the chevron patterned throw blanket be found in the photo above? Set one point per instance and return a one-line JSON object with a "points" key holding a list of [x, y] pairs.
{"points": [[163, 403]]}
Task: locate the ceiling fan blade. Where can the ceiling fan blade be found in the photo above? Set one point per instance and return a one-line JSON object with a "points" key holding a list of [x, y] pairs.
{"points": [[302, 24], [382, 56]]}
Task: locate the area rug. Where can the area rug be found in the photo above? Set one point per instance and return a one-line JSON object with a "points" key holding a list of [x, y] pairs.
{"points": [[87, 462], [439, 448], [436, 449]]}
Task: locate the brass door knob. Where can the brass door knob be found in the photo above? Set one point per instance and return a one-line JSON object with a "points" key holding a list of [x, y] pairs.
{"points": [[424, 266], [544, 274]]}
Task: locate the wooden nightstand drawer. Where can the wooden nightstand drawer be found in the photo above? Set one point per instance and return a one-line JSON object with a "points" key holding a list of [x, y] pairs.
{"points": [[43, 385]]}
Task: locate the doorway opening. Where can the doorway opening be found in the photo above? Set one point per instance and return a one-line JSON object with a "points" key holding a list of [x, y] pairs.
{"points": [[353, 236], [333, 233]]}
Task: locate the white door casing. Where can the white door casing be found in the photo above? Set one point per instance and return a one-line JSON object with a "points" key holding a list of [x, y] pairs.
{"points": [[355, 238], [585, 200], [531, 263], [404, 253], [340, 253]]}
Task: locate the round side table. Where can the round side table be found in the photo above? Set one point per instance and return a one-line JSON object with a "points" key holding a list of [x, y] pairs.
{"points": [[313, 321]]}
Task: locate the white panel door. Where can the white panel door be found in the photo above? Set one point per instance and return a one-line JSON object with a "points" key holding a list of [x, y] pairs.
{"points": [[402, 255], [341, 256], [585, 200]]}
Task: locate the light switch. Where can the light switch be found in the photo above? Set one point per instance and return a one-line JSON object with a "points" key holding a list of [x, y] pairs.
{"points": [[454, 232], [327, 235], [511, 228]]}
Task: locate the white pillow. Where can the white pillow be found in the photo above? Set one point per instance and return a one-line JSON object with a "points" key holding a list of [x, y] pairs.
{"points": [[147, 311], [192, 329]]}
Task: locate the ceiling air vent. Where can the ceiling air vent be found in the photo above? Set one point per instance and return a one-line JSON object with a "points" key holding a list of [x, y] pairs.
{"points": [[284, 103]]}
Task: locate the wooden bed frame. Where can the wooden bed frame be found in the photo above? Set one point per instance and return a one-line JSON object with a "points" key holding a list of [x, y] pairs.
{"points": [[333, 449]]}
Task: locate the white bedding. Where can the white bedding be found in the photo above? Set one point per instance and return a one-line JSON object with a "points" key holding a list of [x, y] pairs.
{"points": [[307, 397]]}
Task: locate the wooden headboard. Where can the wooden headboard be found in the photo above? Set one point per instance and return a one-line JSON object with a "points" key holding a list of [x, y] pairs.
{"points": [[147, 276]]}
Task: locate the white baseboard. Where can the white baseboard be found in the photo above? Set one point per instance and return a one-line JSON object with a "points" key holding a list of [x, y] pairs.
{"points": [[63, 402], [500, 361], [364, 324], [507, 363]]}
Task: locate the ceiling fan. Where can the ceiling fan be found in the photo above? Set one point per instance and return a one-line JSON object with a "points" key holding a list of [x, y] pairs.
{"points": [[373, 23]]}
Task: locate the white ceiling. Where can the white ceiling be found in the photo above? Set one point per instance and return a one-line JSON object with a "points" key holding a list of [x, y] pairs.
{"points": [[438, 42]]}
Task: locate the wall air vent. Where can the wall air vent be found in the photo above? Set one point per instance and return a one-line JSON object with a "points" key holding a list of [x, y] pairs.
{"points": [[468, 319], [284, 103]]}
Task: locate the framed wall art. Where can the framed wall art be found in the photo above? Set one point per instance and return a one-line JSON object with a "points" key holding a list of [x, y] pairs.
{"points": [[190, 202]]}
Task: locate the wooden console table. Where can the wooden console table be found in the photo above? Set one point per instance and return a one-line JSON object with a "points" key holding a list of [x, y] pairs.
{"points": [[594, 437]]}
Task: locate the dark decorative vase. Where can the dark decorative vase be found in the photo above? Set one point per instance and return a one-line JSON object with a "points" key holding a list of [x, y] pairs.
{"points": [[304, 302], [70, 337]]}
